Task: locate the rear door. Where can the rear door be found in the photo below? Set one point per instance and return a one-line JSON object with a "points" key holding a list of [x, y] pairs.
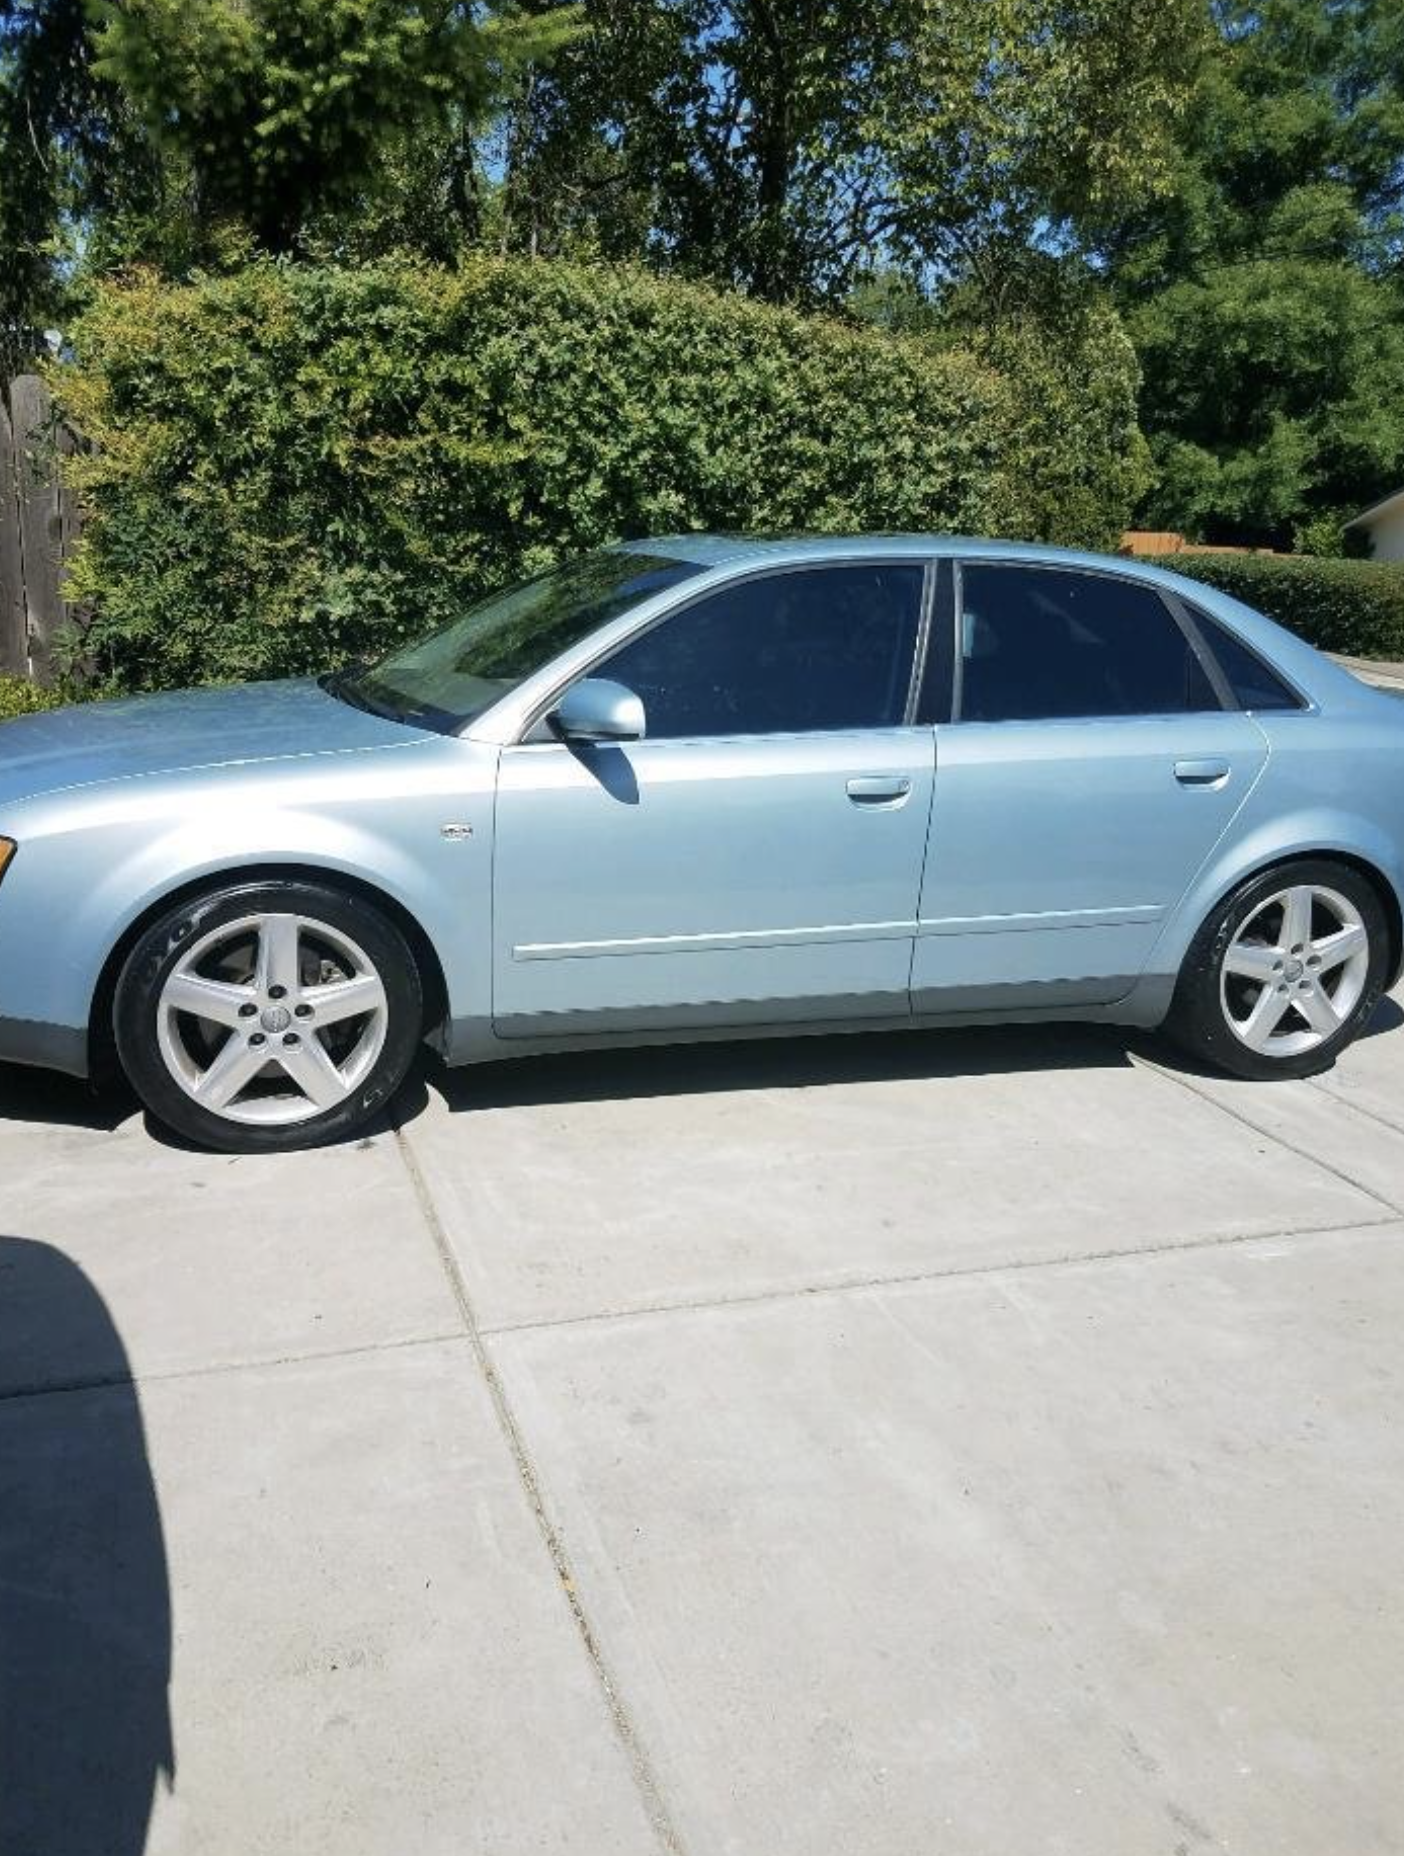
{"points": [[1087, 772]]}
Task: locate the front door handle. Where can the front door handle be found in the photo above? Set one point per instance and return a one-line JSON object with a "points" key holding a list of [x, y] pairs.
{"points": [[879, 789], [1201, 772]]}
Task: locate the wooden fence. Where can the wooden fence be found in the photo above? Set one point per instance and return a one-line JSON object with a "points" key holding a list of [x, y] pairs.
{"points": [[38, 527]]}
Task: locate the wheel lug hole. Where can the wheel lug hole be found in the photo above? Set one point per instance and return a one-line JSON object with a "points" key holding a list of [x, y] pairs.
{"points": [[277, 992], [247, 1011], [303, 1011], [258, 1038], [291, 1037], [1298, 948]]}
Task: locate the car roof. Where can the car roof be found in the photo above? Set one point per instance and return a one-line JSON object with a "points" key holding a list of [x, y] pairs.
{"points": [[721, 549]]}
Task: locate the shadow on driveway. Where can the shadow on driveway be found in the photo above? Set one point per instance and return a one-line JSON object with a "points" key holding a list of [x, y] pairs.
{"points": [[808, 1063], [780, 1063], [85, 1610], [58, 1101], [686, 1069]]}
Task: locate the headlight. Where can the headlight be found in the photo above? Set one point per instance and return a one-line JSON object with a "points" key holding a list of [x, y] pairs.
{"points": [[7, 851]]}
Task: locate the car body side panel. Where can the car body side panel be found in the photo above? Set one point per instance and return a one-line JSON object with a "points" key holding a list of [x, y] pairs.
{"points": [[85, 871], [1059, 848], [1331, 786], [675, 882]]}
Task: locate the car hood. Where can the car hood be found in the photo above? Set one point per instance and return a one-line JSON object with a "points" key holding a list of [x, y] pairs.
{"points": [[94, 742]]}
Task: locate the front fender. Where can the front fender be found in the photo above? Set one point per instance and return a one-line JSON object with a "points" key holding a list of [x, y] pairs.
{"points": [[92, 864]]}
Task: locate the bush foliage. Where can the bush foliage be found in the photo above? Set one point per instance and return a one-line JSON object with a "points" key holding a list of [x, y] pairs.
{"points": [[295, 465], [1356, 607], [20, 698]]}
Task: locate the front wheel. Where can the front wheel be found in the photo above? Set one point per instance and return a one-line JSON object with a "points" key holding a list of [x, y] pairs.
{"points": [[1285, 972], [266, 1016]]}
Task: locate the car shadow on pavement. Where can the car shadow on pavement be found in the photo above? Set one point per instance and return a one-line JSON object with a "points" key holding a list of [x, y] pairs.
{"points": [[813, 1062], [47, 1099], [85, 1610], [680, 1069], [1389, 1016], [62, 1101], [806, 1063]]}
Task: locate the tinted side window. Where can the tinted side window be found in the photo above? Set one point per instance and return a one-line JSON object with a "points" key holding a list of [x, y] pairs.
{"points": [[1040, 642], [820, 648], [1254, 686]]}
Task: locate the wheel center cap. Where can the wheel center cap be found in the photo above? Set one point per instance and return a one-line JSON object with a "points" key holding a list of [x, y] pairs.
{"points": [[275, 1018], [1292, 972]]}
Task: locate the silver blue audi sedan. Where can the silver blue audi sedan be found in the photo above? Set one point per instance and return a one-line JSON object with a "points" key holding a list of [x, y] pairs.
{"points": [[706, 786]]}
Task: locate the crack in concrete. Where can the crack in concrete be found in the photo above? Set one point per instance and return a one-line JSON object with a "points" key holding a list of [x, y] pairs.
{"points": [[640, 1764], [1354, 1108], [97, 1382], [957, 1272], [1187, 1083]]}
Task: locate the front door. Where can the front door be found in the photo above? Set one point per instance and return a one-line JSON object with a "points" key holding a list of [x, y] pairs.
{"points": [[1089, 773], [757, 857]]}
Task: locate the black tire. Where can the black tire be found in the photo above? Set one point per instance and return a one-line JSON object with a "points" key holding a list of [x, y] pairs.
{"points": [[166, 945], [1197, 1020]]}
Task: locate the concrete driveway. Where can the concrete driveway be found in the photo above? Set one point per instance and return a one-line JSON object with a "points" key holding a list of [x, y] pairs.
{"points": [[978, 1444]]}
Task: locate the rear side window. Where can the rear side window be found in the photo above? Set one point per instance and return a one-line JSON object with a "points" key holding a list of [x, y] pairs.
{"points": [[784, 653], [1254, 686], [1039, 643]]}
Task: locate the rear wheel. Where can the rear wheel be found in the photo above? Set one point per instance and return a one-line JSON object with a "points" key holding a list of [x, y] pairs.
{"points": [[1285, 972], [262, 1017]]}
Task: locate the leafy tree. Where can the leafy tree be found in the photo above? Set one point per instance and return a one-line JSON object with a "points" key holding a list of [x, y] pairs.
{"points": [[1263, 291], [191, 132], [68, 151], [285, 108], [1274, 396], [787, 146]]}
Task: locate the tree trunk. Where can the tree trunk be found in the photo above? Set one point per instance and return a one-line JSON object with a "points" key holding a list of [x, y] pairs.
{"points": [[774, 154]]}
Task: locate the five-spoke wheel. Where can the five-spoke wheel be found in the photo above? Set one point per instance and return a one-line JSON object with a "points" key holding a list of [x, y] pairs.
{"points": [[272, 1018], [268, 1016], [1285, 972], [1295, 970]]}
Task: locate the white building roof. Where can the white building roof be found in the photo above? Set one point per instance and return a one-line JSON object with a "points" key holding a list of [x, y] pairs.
{"points": [[1385, 507]]}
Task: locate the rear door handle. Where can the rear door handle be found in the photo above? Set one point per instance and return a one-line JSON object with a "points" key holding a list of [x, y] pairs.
{"points": [[1201, 772], [879, 789]]}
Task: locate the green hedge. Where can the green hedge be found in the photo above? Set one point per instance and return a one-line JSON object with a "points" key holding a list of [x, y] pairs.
{"points": [[1356, 607], [19, 698], [295, 465]]}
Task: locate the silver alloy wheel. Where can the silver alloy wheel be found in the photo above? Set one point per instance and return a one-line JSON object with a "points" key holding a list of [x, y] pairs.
{"points": [[272, 1019], [1295, 971]]}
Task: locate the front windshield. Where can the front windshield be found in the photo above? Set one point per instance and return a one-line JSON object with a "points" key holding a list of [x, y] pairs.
{"points": [[455, 674]]}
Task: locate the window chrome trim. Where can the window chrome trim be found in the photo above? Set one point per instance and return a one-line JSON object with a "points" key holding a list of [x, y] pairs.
{"points": [[1199, 644], [925, 618], [958, 638]]}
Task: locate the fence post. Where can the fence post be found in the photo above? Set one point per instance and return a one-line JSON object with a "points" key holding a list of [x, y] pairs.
{"points": [[14, 630]]}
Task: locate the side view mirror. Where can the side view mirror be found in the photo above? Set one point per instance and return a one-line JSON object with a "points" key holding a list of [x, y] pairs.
{"points": [[595, 709]]}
